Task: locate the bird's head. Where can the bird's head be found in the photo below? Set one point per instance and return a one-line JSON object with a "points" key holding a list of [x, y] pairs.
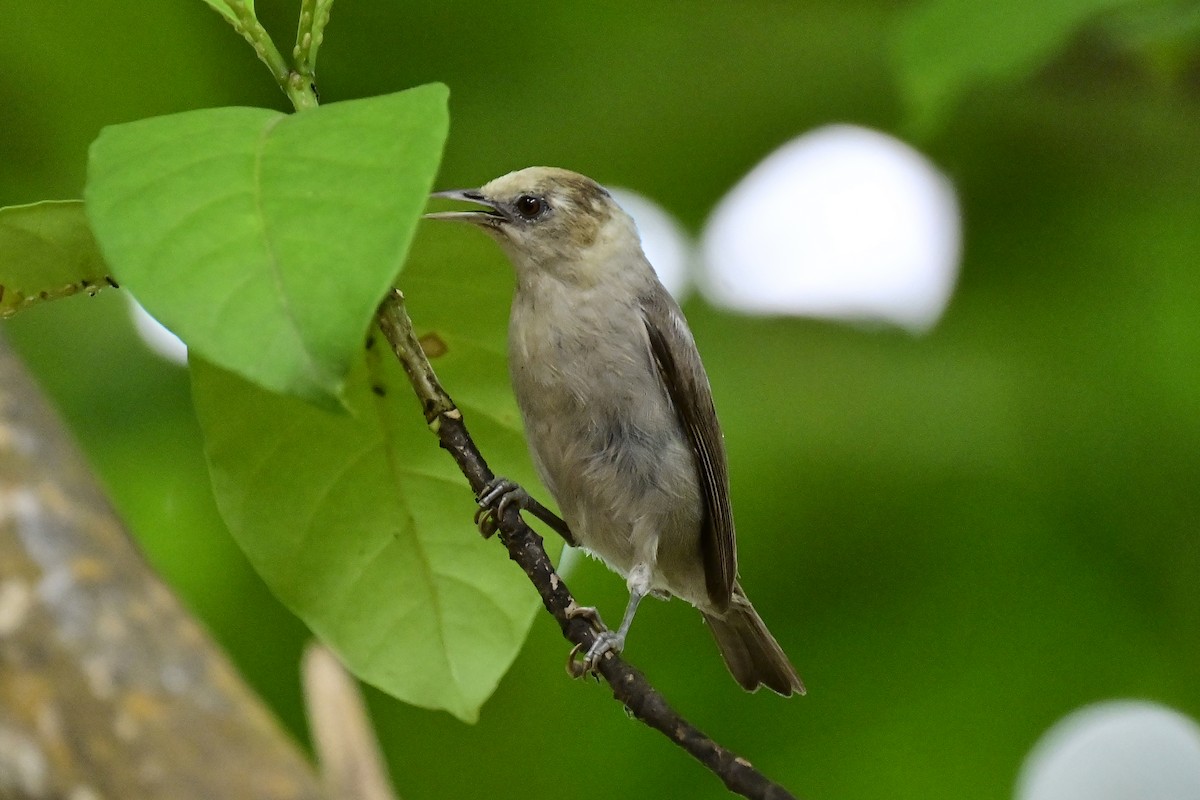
{"points": [[551, 221]]}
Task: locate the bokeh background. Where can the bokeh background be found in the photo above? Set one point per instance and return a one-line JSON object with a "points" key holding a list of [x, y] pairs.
{"points": [[960, 537]]}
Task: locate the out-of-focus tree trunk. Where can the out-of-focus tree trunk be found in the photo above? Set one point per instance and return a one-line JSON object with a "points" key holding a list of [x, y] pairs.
{"points": [[108, 687]]}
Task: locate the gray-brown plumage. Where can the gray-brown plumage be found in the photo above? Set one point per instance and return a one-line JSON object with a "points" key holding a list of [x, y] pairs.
{"points": [[617, 408]]}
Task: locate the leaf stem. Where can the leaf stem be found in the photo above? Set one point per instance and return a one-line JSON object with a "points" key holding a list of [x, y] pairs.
{"points": [[298, 87], [314, 16], [398, 330]]}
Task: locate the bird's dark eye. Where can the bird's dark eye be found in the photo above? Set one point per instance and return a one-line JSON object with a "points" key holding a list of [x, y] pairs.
{"points": [[530, 206]]}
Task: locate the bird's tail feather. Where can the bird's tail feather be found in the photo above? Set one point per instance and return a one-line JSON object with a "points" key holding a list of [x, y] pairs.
{"points": [[750, 651]]}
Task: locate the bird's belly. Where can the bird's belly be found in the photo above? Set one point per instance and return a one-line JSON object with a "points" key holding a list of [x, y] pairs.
{"points": [[621, 471]]}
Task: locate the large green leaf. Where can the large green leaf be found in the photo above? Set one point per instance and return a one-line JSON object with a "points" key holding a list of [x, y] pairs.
{"points": [[265, 240], [46, 251], [360, 523], [945, 46]]}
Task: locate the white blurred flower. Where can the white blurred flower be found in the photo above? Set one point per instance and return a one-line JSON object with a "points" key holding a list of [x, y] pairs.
{"points": [[1117, 750], [843, 222]]}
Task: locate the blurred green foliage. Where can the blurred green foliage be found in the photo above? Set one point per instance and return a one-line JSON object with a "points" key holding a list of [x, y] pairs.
{"points": [[944, 47], [958, 538]]}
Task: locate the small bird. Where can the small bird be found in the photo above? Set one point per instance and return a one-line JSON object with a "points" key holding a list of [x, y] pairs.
{"points": [[618, 411]]}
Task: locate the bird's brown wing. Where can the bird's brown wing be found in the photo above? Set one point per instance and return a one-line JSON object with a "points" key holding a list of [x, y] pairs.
{"points": [[674, 353]]}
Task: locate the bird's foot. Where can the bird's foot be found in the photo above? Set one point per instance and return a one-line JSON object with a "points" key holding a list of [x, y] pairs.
{"points": [[494, 500], [590, 613], [577, 668], [606, 642]]}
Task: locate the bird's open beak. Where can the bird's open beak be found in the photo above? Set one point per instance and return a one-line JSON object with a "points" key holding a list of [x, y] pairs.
{"points": [[490, 215]]}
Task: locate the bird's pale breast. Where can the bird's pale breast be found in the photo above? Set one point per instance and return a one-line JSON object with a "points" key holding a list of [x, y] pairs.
{"points": [[604, 436]]}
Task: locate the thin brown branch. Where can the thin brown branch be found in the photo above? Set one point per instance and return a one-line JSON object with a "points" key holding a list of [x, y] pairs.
{"points": [[524, 546]]}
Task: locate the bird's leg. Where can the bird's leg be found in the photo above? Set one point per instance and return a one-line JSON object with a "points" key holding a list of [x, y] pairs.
{"points": [[607, 641], [499, 494]]}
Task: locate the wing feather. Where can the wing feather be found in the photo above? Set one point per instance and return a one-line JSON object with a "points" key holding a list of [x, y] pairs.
{"points": [[674, 353]]}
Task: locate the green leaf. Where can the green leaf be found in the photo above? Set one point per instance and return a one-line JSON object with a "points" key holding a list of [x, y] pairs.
{"points": [[265, 240], [944, 47], [360, 523], [46, 251]]}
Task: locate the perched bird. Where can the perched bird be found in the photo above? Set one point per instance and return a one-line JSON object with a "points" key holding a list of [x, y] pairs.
{"points": [[617, 409]]}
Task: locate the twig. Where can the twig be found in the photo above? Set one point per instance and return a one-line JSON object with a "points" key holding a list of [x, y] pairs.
{"points": [[628, 685]]}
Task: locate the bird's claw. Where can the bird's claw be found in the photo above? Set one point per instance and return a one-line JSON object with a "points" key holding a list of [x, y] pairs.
{"points": [[590, 613], [577, 667], [494, 500], [485, 520], [606, 642]]}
